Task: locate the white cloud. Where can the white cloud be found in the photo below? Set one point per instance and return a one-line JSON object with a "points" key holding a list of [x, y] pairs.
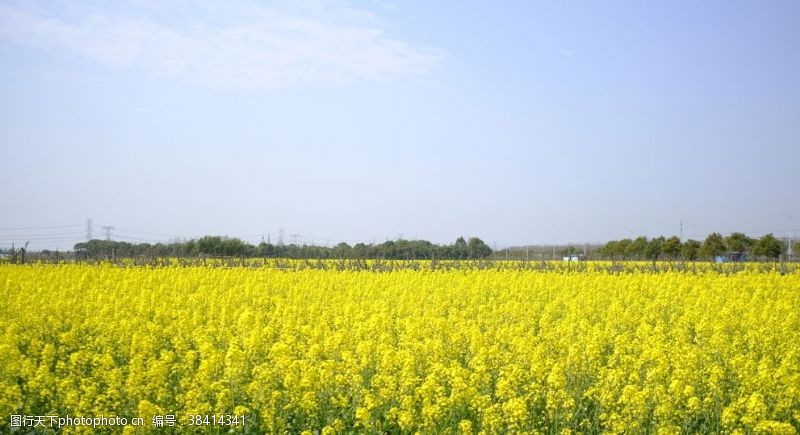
{"points": [[222, 44]]}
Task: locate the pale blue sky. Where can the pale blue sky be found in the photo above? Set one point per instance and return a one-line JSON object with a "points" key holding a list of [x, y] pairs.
{"points": [[532, 122]]}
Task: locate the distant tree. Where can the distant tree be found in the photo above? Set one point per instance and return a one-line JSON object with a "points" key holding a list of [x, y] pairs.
{"points": [[671, 248], [266, 249], [609, 249], [569, 251], [226, 246], [769, 247], [636, 249], [189, 248], [361, 250], [460, 249], [478, 249], [621, 248], [342, 250], [653, 249], [713, 246], [691, 250], [739, 242]]}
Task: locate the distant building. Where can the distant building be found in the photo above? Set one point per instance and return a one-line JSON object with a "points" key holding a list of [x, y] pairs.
{"points": [[731, 257], [570, 258]]}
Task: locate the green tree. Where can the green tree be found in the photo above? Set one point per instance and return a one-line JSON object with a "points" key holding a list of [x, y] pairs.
{"points": [[621, 248], [609, 249], [739, 242], [671, 247], [769, 247], [360, 250], [478, 249], [653, 249], [569, 251], [636, 249], [713, 246], [342, 250], [460, 249], [691, 250]]}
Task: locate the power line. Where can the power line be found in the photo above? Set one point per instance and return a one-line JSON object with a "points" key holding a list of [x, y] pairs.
{"points": [[138, 239], [147, 233], [40, 240], [749, 232], [39, 228], [257, 235], [23, 235], [11, 238], [787, 230], [48, 242]]}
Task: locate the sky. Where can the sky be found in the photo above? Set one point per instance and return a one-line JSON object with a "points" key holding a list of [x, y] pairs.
{"points": [[361, 121]]}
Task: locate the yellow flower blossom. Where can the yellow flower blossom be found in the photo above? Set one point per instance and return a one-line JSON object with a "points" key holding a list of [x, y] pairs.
{"points": [[466, 348]]}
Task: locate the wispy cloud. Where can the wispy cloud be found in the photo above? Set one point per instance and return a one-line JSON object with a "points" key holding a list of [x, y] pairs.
{"points": [[567, 52], [231, 44]]}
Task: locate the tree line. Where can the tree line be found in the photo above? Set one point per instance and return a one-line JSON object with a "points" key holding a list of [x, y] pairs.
{"points": [[736, 247], [219, 246]]}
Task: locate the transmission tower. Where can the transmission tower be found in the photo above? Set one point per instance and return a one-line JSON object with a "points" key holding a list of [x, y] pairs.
{"points": [[107, 229], [88, 229]]}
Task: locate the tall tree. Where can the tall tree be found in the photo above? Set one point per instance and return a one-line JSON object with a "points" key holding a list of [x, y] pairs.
{"points": [[691, 250], [460, 249], [671, 247], [621, 248], [609, 249], [478, 249], [569, 251], [653, 249], [637, 248], [713, 246], [769, 247], [739, 242]]}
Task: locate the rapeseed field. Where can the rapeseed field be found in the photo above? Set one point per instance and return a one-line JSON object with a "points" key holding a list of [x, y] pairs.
{"points": [[461, 350]]}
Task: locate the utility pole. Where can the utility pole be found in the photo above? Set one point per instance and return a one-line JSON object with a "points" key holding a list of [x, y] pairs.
{"points": [[280, 237], [107, 229], [88, 229], [681, 230], [789, 253]]}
